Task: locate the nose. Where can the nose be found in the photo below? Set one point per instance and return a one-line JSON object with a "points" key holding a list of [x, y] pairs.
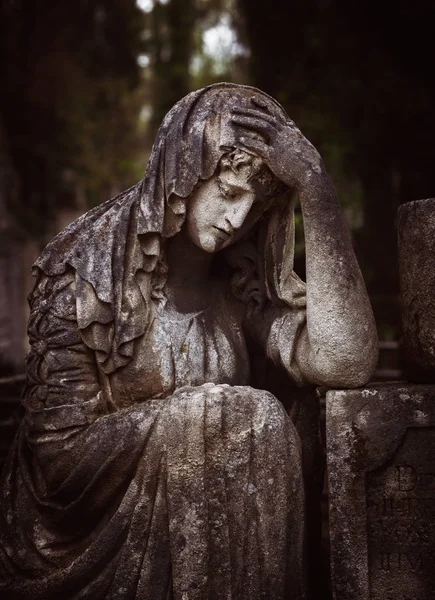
{"points": [[237, 212]]}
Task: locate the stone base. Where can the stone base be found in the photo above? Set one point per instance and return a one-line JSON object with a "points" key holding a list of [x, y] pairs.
{"points": [[381, 470]]}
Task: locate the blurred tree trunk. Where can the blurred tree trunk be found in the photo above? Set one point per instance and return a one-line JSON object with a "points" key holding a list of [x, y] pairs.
{"points": [[11, 277], [172, 46]]}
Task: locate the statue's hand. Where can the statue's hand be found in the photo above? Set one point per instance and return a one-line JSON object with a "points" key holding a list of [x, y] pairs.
{"points": [[287, 153]]}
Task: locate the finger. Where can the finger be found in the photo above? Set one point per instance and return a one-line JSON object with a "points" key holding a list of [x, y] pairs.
{"points": [[250, 112], [258, 125], [280, 117], [260, 103], [257, 146]]}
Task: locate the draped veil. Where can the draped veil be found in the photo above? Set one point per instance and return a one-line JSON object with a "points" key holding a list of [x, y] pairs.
{"points": [[116, 248]]}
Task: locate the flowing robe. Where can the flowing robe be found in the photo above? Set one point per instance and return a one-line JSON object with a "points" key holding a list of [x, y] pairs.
{"points": [[183, 482]]}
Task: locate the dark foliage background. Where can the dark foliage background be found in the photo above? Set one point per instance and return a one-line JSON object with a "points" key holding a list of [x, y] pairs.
{"points": [[85, 84]]}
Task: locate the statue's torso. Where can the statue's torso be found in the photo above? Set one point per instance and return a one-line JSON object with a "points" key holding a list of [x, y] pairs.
{"points": [[185, 349]]}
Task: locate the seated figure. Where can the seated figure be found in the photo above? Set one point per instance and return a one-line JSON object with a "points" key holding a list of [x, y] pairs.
{"points": [[147, 466]]}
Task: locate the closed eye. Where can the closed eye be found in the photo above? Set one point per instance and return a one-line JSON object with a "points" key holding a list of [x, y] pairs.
{"points": [[226, 190]]}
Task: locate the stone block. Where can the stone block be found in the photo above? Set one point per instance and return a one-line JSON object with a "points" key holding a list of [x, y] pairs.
{"points": [[381, 470], [416, 236]]}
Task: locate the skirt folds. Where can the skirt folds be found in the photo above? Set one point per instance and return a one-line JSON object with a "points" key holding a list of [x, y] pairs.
{"points": [[198, 496]]}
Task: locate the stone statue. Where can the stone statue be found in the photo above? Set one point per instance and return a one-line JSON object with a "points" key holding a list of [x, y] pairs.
{"points": [[146, 467]]}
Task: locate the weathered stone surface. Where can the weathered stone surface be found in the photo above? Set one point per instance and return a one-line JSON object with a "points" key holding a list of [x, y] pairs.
{"points": [[168, 329], [381, 469], [416, 232]]}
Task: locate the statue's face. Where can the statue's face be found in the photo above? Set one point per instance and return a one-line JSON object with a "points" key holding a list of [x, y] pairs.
{"points": [[223, 209]]}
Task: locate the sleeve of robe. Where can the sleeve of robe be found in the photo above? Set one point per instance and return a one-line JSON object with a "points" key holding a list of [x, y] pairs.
{"points": [[64, 396], [74, 479]]}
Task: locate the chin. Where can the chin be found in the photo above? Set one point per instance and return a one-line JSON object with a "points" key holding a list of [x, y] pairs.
{"points": [[210, 244]]}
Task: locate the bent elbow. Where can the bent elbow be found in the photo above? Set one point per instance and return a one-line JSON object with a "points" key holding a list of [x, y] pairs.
{"points": [[347, 370]]}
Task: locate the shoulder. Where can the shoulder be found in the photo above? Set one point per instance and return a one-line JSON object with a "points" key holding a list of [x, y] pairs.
{"points": [[88, 236], [53, 294]]}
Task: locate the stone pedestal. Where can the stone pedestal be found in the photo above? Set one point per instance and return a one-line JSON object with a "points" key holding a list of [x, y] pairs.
{"points": [[381, 465], [416, 235]]}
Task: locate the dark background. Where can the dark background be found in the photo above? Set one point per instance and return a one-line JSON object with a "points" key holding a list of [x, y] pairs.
{"points": [[84, 85]]}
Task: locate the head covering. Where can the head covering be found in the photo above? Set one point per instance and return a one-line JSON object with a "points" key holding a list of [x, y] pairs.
{"points": [[115, 248]]}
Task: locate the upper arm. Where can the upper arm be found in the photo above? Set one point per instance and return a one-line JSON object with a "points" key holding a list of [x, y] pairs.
{"points": [[61, 369]]}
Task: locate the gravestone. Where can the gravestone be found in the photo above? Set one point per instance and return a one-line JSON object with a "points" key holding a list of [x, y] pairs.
{"points": [[381, 462]]}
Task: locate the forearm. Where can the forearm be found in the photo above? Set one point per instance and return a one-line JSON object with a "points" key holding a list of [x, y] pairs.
{"points": [[340, 344]]}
